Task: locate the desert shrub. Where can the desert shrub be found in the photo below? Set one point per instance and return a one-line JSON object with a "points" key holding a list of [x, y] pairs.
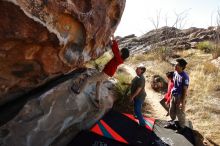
{"points": [[121, 89], [205, 46], [209, 47]]}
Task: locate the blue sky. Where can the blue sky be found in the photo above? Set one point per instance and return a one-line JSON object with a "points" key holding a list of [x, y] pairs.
{"points": [[139, 14]]}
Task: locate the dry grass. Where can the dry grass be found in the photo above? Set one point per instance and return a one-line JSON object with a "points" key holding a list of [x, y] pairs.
{"points": [[151, 62], [203, 105], [136, 58], [160, 68], [162, 53]]}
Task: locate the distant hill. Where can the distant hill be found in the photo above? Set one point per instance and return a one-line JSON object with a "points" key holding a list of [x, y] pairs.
{"points": [[169, 37]]}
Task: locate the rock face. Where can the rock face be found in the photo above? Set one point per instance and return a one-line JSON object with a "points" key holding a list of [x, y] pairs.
{"points": [[57, 115], [169, 37], [40, 39]]}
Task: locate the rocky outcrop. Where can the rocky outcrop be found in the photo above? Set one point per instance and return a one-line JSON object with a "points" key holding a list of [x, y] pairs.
{"points": [[41, 39], [169, 37], [158, 83], [56, 116]]}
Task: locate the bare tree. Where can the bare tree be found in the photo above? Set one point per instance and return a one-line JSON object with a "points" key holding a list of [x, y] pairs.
{"points": [[179, 23], [156, 24], [156, 21], [218, 17], [166, 26], [218, 25], [181, 19], [216, 52], [212, 17]]}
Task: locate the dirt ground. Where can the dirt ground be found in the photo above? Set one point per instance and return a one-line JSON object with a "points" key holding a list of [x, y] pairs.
{"points": [[153, 99]]}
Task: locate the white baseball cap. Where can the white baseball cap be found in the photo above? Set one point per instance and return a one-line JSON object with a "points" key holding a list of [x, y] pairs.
{"points": [[141, 65]]}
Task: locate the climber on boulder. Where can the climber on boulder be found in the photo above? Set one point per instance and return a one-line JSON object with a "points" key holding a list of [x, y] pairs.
{"points": [[108, 71]]}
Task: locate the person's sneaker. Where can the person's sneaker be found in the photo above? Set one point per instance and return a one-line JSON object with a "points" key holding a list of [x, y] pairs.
{"points": [[169, 125], [177, 125]]}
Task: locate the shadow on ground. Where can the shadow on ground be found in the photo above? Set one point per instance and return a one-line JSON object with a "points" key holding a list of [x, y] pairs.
{"points": [[201, 141]]}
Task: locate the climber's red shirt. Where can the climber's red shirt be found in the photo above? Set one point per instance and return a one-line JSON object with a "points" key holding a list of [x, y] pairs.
{"points": [[111, 67]]}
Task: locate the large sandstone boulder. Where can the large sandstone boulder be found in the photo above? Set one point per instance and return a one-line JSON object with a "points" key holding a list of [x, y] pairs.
{"points": [[56, 116], [41, 39]]}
